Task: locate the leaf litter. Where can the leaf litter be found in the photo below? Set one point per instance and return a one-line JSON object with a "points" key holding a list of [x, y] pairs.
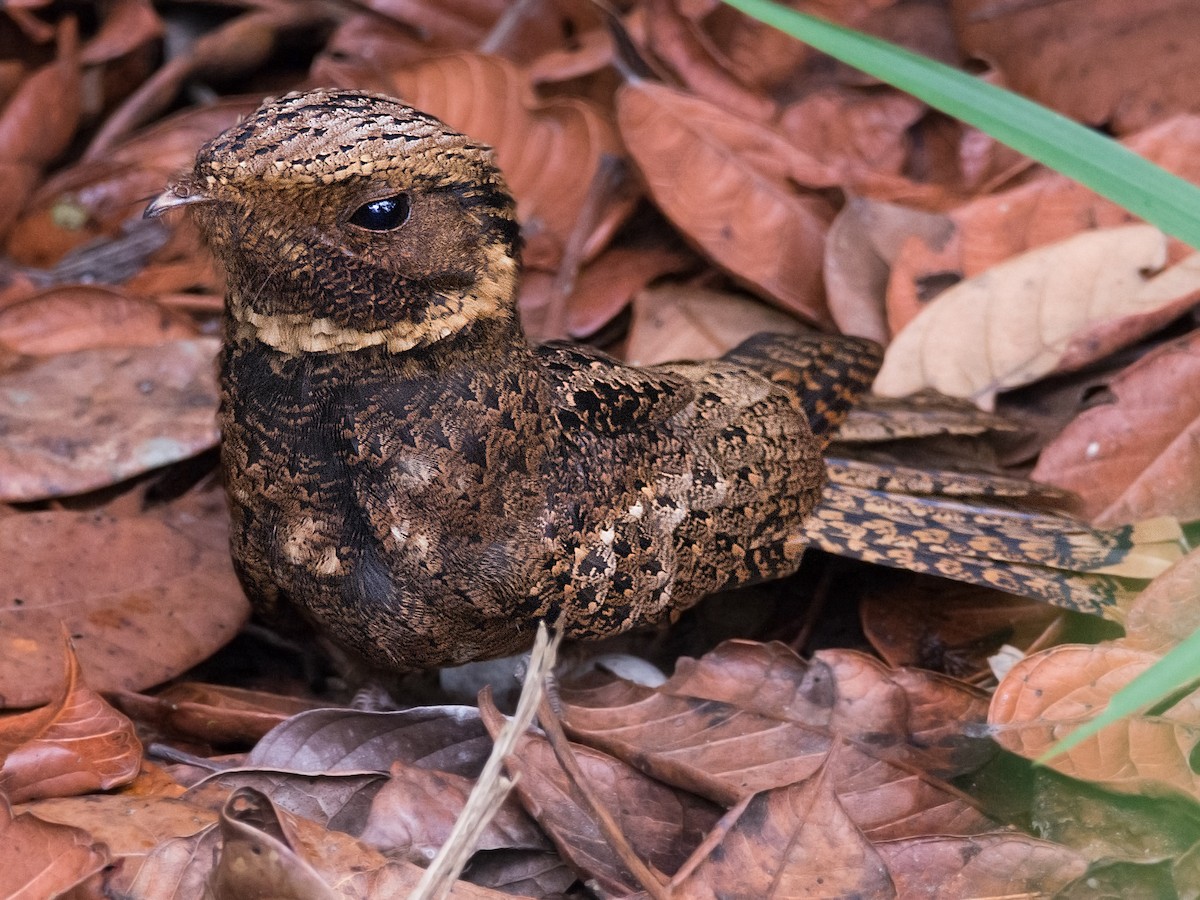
{"points": [[684, 177]]}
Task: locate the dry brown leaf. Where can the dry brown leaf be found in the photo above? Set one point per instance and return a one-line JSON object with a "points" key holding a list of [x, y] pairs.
{"points": [[789, 843], [950, 629], [127, 25], [81, 421], [724, 182], [864, 136], [1016, 322], [850, 693], [1049, 54], [94, 198], [1168, 610], [1139, 455], [727, 751], [40, 859], [682, 322], [75, 745], [176, 868], [80, 317], [1048, 693], [984, 865], [143, 598], [269, 852], [682, 45]]}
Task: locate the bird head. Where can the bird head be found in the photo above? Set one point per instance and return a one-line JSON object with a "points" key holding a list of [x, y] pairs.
{"points": [[347, 220]]}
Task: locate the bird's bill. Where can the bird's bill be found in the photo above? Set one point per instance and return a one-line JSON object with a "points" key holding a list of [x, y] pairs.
{"points": [[176, 195]]}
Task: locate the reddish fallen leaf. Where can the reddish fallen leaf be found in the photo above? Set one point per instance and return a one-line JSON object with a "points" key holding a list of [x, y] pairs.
{"points": [[38, 123], [341, 801], [1047, 54], [94, 198], [128, 826], [727, 750], [985, 865], [952, 630], [850, 693], [75, 745], [40, 859], [863, 135], [176, 868], [81, 317], [144, 598], [610, 282], [1137, 456], [268, 852], [789, 843], [723, 181], [684, 46], [127, 25], [81, 421], [215, 714]]}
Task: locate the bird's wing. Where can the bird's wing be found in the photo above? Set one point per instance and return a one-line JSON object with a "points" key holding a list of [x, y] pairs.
{"points": [[603, 395]]}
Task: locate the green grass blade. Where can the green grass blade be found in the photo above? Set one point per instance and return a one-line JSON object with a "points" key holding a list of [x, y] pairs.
{"points": [[1109, 169], [1170, 673]]}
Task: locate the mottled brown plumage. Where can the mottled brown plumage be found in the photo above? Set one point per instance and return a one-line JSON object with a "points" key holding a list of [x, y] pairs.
{"points": [[406, 468]]}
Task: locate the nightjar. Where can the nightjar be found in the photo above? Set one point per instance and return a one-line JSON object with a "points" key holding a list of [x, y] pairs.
{"points": [[405, 468]]}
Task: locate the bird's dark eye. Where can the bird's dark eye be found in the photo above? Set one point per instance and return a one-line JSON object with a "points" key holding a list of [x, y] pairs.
{"points": [[384, 214]]}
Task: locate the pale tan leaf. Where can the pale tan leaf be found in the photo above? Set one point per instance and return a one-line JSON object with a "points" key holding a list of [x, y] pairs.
{"points": [[681, 322], [1012, 324], [1168, 610]]}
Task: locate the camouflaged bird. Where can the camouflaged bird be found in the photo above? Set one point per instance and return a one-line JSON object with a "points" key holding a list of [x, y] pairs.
{"points": [[406, 468]]}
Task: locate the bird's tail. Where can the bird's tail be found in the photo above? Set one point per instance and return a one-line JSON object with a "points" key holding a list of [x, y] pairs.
{"points": [[828, 372], [988, 530]]}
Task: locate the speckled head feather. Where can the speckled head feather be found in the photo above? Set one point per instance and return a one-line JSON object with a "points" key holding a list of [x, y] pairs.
{"points": [[326, 136], [280, 198]]}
